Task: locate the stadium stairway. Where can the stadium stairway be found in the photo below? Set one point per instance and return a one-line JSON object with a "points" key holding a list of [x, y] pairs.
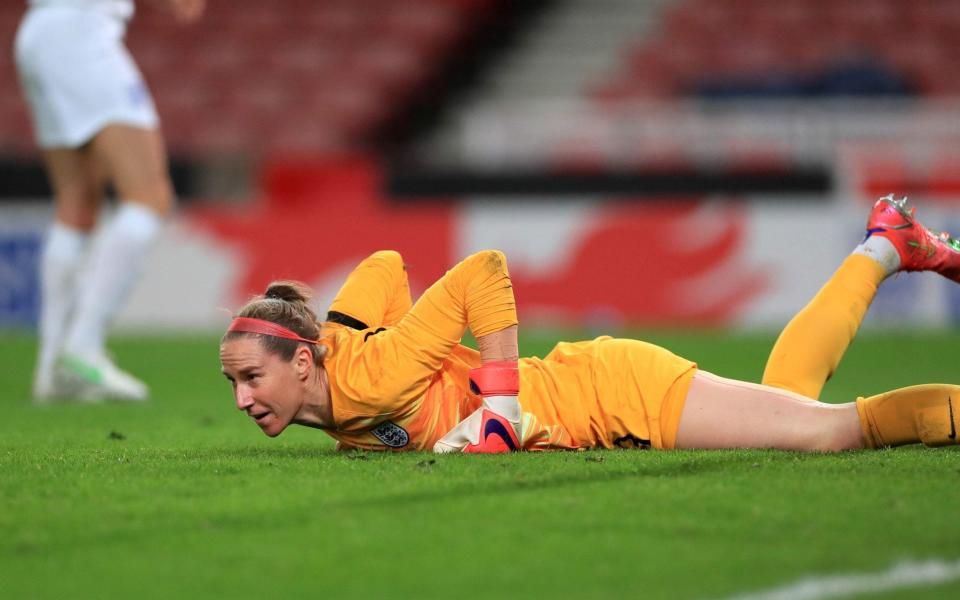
{"points": [[571, 43], [610, 52], [558, 55]]}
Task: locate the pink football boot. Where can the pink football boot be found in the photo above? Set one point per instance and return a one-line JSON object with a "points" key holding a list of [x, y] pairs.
{"points": [[919, 248]]}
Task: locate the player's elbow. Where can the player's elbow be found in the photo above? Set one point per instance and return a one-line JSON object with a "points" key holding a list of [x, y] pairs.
{"points": [[391, 258], [489, 262]]}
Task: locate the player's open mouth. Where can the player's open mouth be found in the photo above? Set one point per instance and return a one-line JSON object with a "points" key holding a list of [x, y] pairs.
{"points": [[258, 417]]}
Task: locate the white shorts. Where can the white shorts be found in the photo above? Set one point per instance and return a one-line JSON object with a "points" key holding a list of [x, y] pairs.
{"points": [[78, 76]]}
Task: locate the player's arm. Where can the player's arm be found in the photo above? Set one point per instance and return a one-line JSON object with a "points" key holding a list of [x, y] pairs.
{"points": [[375, 294], [491, 312], [393, 367], [496, 426]]}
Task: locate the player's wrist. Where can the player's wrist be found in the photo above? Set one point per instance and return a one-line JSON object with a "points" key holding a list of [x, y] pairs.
{"points": [[496, 378], [499, 384]]}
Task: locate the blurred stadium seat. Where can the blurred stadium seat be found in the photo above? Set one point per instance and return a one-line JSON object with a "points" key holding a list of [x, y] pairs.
{"points": [[274, 75], [295, 77], [776, 46]]}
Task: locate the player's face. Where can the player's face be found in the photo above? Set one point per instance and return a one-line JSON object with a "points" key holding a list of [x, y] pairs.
{"points": [[265, 386]]}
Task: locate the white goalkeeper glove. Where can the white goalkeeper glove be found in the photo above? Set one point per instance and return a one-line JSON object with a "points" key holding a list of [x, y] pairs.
{"points": [[495, 426]]}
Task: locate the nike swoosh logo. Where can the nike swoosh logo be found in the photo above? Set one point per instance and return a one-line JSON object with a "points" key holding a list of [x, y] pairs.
{"points": [[953, 424], [494, 427]]}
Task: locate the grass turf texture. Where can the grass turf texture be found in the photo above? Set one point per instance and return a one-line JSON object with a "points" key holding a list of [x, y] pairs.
{"points": [[184, 497]]}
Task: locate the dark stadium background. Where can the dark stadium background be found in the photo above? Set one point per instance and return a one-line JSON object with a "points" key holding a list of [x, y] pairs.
{"points": [[394, 123]]}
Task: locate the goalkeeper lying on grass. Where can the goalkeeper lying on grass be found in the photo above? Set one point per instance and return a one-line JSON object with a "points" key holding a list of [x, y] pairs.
{"points": [[379, 374]]}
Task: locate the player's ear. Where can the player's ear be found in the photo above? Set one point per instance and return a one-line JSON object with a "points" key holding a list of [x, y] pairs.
{"points": [[303, 361]]}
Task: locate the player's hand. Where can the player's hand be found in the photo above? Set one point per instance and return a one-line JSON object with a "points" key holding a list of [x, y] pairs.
{"points": [[495, 426], [483, 432]]}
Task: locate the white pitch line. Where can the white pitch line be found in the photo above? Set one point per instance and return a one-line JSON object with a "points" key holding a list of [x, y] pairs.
{"points": [[901, 575]]}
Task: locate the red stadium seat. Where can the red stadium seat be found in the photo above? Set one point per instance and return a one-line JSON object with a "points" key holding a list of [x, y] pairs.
{"points": [[250, 74], [702, 39]]}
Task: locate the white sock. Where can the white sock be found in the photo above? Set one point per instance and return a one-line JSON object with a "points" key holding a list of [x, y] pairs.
{"points": [[63, 253], [115, 265], [881, 250]]}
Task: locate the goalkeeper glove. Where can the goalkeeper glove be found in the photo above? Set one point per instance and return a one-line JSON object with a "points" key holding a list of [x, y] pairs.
{"points": [[495, 426]]}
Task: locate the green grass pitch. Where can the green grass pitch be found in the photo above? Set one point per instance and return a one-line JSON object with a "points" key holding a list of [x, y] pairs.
{"points": [[184, 497]]}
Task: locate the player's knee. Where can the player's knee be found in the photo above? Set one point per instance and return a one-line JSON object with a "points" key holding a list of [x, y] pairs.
{"points": [[158, 196], [77, 209]]}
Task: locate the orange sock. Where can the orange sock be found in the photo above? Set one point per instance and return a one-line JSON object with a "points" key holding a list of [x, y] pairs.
{"points": [[813, 342], [921, 413]]}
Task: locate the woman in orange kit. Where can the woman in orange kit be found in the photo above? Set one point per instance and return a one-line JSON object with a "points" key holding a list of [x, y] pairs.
{"points": [[382, 374]]}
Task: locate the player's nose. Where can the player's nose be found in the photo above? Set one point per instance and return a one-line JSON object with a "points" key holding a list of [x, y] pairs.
{"points": [[243, 397]]}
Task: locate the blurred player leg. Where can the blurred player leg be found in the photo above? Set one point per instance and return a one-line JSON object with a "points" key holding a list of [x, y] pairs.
{"points": [[85, 91], [134, 159], [725, 413], [78, 191]]}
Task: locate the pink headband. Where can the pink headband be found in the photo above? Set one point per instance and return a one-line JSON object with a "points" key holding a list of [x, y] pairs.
{"points": [[249, 325]]}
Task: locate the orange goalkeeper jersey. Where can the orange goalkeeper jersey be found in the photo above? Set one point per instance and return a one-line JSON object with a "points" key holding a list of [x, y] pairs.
{"points": [[399, 378]]}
